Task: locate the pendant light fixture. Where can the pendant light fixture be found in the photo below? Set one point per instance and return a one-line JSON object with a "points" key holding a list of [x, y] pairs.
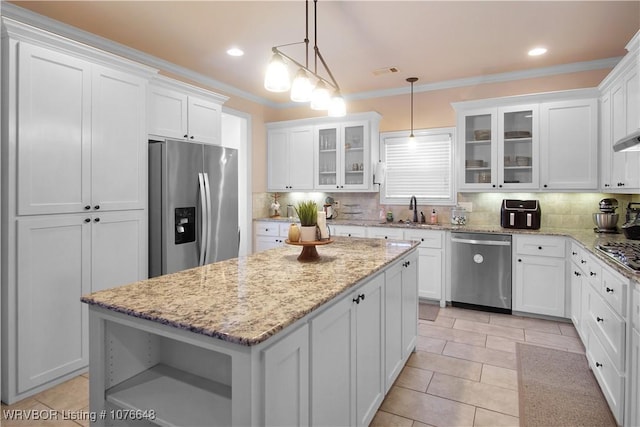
{"points": [[325, 94], [412, 139]]}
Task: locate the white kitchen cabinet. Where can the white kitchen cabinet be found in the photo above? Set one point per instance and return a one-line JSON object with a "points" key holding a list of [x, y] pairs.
{"points": [[539, 275], [337, 156], [59, 259], [385, 233], [343, 159], [347, 382], [269, 234], [569, 130], [286, 370], [290, 160], [185, 112], [401, 316], [633, 399], [91, 121], [348, 230], [431, 262]]}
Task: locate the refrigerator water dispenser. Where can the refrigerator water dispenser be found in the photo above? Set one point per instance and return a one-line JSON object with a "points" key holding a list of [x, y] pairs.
{"points": [[185, 226]]}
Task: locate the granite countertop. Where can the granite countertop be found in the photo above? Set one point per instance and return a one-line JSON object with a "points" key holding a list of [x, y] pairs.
{"points": [[585, 237], [248, 299]]}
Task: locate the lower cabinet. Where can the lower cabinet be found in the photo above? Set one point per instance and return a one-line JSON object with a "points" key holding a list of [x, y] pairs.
{"points": [[401, 313], [269, 234], [431, 262], [348, 230], [347, 383], [60, 258], [538, 275], [633, 398]]}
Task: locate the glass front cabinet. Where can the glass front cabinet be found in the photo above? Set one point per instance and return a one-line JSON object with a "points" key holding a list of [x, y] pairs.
{"points": [[498, 148], [342, 153]]}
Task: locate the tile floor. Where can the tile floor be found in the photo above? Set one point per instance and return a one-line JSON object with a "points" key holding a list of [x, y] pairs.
{"points": [[462, 374]]}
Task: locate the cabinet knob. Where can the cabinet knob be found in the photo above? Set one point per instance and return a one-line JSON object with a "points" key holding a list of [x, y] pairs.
{"points": [[599, 319], [87, 207], [87, 220], [540, 248], [583, 261], [591, 273], [356, 300], [186, 136], [191, 137], [494, 186], [96, 220], [607, 185], [519, 259], [574, 253], [545, 186], [609, 290], [349, 234], [422, 239], [500, 185], [598, 365], [577, 273], [96, 207], [385, 237]]}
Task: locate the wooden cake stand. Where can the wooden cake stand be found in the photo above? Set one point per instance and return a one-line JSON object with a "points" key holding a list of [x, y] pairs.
{"points": [[309, 252]]}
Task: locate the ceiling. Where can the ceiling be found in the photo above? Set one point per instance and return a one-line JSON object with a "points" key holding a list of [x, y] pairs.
{"points": [[436, 41]]}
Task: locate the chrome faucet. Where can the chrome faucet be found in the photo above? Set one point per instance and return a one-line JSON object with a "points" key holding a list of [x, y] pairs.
{"points": [[413, 205]]}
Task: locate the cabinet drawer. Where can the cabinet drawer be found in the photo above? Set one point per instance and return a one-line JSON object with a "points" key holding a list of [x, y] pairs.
{"points": [[385, 233], [348, 230], [607, 326], [577, 254], [611, 382], [266, 229], [614, 290], [283, 228], [540, 245], [427, 238]]}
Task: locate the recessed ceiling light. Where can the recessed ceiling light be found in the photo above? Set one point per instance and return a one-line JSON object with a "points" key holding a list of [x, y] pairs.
{"points": [[538, 51], [234, 51]]}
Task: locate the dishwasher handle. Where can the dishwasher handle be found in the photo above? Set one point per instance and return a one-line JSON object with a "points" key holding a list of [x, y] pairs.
{"points": [[482, 242]]}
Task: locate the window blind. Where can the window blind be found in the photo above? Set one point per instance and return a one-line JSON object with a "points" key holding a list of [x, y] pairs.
{"points": [[424, 169]]}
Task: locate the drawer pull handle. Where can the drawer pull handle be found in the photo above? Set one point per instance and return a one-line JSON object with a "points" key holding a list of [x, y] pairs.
{"points": [[599, 319], [609, 290], [356, 300], [574, 253], [577, 273], [591, 273], [583, 261], [598, 365]]}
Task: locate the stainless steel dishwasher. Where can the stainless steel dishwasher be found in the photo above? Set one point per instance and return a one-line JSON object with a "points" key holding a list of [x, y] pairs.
{"points": [[481, 271]]}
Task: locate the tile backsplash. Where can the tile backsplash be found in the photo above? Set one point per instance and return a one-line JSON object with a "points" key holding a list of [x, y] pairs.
{"points": [[559, 210]]}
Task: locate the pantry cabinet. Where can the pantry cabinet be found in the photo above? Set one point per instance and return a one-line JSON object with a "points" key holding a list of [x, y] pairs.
{"points": [[181, 111], [326, 155], [74, 172], [290, 159]]}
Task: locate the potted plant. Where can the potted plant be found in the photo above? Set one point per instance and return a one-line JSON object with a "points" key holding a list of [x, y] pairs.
{"points": [[308, 213]]}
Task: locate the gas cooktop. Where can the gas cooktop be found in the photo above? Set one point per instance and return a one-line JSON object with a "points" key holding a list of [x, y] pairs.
{"points": [[625, 253]]}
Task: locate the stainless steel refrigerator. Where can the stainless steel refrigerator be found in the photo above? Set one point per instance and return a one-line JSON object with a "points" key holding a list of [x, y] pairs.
{"points": [[193, 205]]}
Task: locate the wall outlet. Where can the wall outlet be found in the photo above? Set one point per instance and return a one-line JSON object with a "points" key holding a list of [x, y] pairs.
{"points": [[468, 206]]}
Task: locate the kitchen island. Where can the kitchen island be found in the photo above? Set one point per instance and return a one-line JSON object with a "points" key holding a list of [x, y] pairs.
{"points": [[257, 340]]}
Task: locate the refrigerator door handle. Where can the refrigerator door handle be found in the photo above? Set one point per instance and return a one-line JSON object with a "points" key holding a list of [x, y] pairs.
{"points": [[203, 218], [209, 219]]}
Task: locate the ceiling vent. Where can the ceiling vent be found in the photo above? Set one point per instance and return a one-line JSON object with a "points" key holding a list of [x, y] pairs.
{"points": [[385, 70]]}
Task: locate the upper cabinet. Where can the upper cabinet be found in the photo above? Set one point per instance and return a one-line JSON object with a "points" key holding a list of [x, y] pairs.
{"points": [[619, 117], [181, 111], [522, 142], [92, 121], [323, 154]]}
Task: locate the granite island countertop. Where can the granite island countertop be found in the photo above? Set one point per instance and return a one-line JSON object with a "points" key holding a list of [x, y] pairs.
{"points": [[246, 300]]}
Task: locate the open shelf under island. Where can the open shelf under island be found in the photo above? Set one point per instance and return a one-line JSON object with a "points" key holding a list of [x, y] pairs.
{"points": [[257, 340]]}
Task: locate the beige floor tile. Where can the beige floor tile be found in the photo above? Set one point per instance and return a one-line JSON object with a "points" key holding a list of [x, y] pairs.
{"points": [[21, 404], [446, 365], [474, 393], [501, 377], [474, 353], [444, 321], [432, 345], [560, 341], [541, 325], [482, 328], [71, 395], [427, 409], [461, 313], [414, 378], [383, 419], [568, 329], [485, 418], [500, 343], [448, 334]]}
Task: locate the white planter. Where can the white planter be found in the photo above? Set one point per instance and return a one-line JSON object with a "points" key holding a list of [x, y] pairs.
{"points": [[308, 233]]}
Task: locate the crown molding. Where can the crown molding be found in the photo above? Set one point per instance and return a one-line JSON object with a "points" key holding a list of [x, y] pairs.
{"points": [[25, 16]]}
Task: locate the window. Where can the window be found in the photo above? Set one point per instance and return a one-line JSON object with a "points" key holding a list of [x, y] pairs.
{"points": [[424, 170]]}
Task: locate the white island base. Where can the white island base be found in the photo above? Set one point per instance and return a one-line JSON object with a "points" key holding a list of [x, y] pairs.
{"points": [[333, 366]]}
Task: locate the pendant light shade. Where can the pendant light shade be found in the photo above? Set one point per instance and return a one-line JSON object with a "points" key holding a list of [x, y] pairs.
{"points": [[337, 106], [412, 139], [320, 97], [301, 87], [277, 77]]}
